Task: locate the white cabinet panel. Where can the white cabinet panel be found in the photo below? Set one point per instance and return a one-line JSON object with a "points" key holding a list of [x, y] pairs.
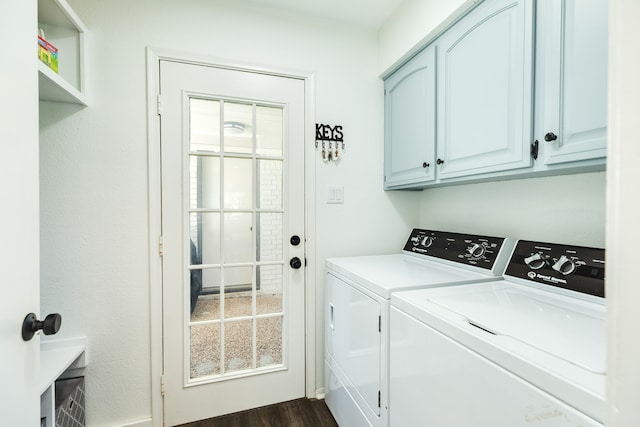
{"points": [[410, 128], [484, 90], [572, 46]]}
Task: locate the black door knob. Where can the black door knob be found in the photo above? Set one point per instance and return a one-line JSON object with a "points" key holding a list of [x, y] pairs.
{"points": [[295, 240], [439, 161], [550, 137], [31, 325], [425, 165], [295, 262]]}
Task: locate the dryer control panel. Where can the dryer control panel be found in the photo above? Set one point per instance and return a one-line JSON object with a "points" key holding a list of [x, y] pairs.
{"points": [[489, 253], [576, 268]]}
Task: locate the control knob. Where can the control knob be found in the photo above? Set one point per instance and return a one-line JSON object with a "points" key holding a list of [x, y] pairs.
{"points": [[476, 250], [427, 241], [536, 261], [566, 265]]}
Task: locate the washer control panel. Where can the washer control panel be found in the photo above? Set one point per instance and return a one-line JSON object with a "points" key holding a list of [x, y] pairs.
{"points": [[576, 268], [467, 249]]}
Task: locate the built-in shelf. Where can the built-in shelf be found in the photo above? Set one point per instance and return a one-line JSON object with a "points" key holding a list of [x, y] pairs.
{"points": [[55, 88], [64, 29], [56, 358]]}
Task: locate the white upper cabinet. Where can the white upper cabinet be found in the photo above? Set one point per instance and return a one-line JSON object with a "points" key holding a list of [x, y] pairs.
{"points": [[64, 30], [410, 122], [485, 90], [572, 84], [520, 90]]}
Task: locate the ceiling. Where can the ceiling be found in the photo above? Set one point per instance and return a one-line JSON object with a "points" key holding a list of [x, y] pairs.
{"points": [[364, 13]]}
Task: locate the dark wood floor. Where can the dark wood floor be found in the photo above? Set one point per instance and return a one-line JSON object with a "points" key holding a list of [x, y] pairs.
{"points": [[295, 413]]}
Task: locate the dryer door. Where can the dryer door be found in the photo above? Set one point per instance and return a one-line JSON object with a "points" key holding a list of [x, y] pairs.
{"points": [[353, 342]]}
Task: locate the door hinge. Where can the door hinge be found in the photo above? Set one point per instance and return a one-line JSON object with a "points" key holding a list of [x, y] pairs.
{"points": [[379, 398], [159, 105], [162, 385], [379, 323], [161, 246], [534, 150]]}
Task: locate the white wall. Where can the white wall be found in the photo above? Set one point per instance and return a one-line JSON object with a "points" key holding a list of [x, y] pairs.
{"points": [[94, 172], [566, 209]]}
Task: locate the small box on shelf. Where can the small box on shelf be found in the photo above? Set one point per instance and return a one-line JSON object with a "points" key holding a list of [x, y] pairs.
{"points": [[48, 54]]}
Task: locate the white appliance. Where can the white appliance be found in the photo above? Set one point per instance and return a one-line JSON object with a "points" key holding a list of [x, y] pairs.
{"points": [[527, 350], [358, 290]]}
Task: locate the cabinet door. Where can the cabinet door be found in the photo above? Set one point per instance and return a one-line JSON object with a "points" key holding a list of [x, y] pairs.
{"points": [[485, 90], [410, 128], [572, 50]]}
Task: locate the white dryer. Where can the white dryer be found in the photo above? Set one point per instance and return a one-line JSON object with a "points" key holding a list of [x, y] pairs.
{"points": [[527, 350], [358, 290]]}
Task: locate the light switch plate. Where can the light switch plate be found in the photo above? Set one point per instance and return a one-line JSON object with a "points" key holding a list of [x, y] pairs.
{"points": [[335, 194]]}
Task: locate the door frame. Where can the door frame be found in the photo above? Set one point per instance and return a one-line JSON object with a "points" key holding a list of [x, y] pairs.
{"points": [[154, 203]]}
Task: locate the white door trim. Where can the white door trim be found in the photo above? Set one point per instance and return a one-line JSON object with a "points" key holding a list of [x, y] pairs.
{"points": [[154, 56]]}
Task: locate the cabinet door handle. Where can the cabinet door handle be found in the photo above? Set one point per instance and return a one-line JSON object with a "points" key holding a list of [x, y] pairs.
{"points": [[439, 161], [550, 137], [425, 165], [534, 150]]}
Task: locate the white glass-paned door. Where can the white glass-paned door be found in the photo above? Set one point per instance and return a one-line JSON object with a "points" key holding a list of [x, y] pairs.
{"points": [[232, 195]]}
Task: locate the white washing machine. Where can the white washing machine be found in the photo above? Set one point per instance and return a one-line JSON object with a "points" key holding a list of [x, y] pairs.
{"points": [[526, 350], [358, 290]]}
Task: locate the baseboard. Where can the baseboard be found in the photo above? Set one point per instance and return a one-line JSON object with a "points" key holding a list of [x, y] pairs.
{"points": [[320, 393], [142, 423]]}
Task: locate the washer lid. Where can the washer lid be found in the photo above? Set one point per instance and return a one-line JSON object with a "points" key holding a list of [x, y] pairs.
{"points": [[384, 274], [565, 327]]}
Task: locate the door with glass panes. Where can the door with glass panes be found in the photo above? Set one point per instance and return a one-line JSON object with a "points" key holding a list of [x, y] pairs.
{"points": [[232, 199]]}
